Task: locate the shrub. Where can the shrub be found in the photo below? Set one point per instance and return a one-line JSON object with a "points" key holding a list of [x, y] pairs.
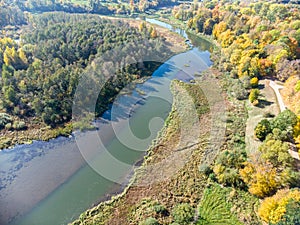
{"points": [[205, 169], [253, 97], [19, 125], [262, 129], [292, 215], [262, 179], [276, 152], [183, 213], [227, 167], [285, 120], [273, 208], [254, 82]]}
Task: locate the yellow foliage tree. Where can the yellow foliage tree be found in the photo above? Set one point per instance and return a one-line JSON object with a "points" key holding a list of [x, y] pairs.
{"points": [[273, 208], [219, 28], [23, 56], [262, 179]]}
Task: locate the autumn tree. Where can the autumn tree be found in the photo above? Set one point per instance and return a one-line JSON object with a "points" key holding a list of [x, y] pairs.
{"points": [[272, 209], [261, 178], [276, 152]]}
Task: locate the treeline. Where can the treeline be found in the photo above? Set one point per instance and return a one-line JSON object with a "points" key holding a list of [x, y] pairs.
{"points": [[104, 7], [258, 39], [39, 77], [93, 6]]}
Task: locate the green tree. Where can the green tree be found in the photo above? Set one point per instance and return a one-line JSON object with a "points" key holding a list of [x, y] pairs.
{"points": [[253, 97], [276, 152], [262, 129], [285, 120]]}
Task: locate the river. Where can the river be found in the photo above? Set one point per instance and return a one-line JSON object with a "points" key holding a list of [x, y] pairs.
{"points": [[51, 182]]}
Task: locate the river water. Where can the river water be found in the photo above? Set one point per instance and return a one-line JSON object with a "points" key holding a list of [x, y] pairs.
{"points": [[51, 182]]}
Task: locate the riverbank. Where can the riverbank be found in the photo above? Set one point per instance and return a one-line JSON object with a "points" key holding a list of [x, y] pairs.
{"points": [[158, 175], [36, 130]]}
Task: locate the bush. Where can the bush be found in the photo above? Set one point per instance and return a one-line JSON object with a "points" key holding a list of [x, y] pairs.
{"points": [[272, 209], [276, 152], [285, 120], [227, 167], [160, 209], [253, 97], [183, 213], [262, 129], [19, 125], [205, 169], [149, 221], [254, 82], [292, 215]]}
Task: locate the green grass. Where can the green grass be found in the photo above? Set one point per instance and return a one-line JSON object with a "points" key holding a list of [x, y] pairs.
{"points": [[214, 208], [221, 205]]}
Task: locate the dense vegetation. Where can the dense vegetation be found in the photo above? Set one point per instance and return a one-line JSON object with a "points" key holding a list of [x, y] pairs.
{"points": [[257, 40], [40, 75], [12, 12]]}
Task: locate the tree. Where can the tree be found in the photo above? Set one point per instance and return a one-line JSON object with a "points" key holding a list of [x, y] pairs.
{"points": [[272, 209], [285, 120], [253, 97], [262, 179], [153, 33], [10, 94], [142, 26], [262, 129], [297, 133], [276, 152]]}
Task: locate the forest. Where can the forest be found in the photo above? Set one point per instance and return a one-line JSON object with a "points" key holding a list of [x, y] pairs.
{"points": [[40, 74], [15, 12]]}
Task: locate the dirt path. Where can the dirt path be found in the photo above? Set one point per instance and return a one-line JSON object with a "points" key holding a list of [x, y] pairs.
{"points": [[268, 104], [272, 103], [276, 88]]}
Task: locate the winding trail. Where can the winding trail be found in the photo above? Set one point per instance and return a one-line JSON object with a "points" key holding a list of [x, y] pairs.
{"points": [[276, 88]]}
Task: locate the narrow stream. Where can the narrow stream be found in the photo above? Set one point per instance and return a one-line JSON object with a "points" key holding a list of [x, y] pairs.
{"points": [[51, 183]]}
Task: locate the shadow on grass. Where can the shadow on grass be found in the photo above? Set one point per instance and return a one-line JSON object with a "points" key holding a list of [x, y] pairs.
{"points": [[264, 103], [261, 86]]}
